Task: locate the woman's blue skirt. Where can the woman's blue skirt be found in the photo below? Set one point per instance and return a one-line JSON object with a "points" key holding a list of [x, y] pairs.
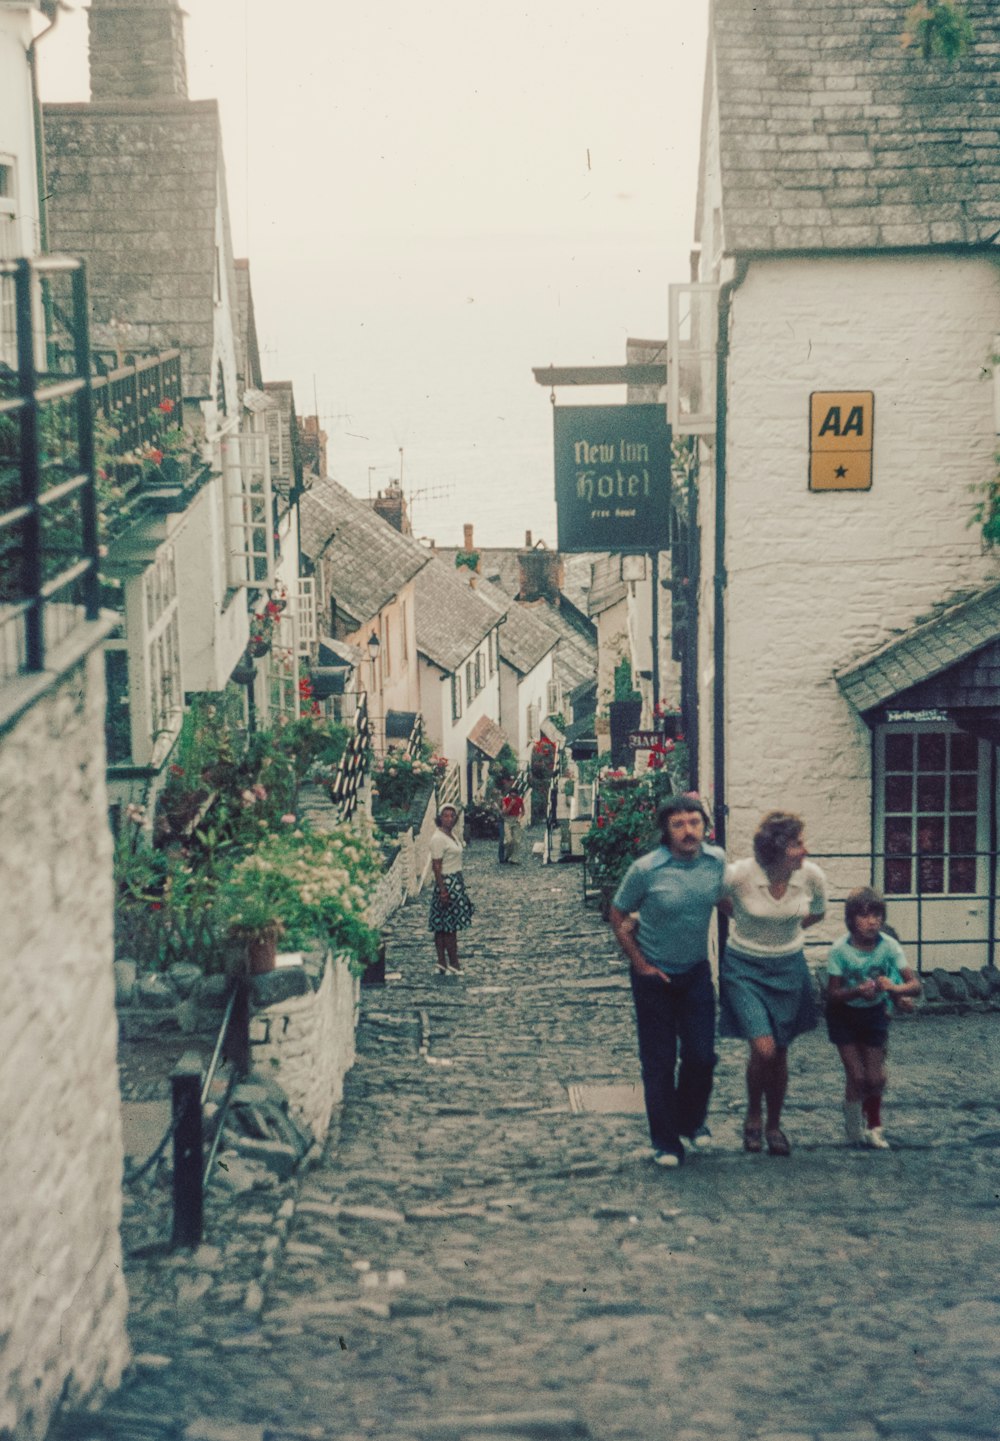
{"points": [[765, 996]]}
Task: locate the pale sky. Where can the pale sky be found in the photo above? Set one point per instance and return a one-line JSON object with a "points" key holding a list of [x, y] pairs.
{"points": [[433, 199]]}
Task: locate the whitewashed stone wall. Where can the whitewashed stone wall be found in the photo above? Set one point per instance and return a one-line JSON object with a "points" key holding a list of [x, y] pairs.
{"points": [[307, 1044], [62, 1298], [816, 580]]}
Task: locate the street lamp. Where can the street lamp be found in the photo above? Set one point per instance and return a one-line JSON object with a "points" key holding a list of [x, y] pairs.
{"points": [[373, 647]]}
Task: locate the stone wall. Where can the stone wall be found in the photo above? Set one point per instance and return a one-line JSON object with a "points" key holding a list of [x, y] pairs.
{"points": [[306, 1043], [62, 1298]]}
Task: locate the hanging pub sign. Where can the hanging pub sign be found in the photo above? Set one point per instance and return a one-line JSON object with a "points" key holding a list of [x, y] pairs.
{"points": [[612, 467]]}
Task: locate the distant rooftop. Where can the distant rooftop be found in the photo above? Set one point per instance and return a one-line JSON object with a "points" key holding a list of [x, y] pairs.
{"points": [[368, 561]]}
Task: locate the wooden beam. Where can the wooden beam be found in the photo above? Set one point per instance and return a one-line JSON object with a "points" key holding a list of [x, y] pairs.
{"points": [[600, 375]]}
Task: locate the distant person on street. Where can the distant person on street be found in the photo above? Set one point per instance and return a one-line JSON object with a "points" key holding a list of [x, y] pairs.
{"points": [[451, 910], [674, 889], [765, 989], [866, 969], [511, 811]]}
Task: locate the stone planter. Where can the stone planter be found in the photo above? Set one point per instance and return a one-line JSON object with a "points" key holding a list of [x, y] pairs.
{"points": [[394, 822]]}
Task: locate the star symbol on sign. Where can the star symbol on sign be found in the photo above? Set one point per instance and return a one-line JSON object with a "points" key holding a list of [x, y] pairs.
{"points": [[840, 472]]}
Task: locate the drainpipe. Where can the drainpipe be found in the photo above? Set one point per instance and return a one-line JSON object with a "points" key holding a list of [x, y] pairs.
{"points": [[51, 10], [726, 292]]}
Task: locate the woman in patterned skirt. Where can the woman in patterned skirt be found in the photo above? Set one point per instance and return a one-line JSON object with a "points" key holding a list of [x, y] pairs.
{"points": [[451, 909]]}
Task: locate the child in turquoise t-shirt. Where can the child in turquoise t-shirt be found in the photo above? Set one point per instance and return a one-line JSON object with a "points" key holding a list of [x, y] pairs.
{"points": [[865, 969]]}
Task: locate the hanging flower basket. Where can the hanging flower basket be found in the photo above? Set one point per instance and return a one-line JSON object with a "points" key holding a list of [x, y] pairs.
{"points": [[259, 646]]}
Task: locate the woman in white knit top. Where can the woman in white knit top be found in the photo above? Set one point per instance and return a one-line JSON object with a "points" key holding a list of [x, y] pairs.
{"points": [[765, 990]]}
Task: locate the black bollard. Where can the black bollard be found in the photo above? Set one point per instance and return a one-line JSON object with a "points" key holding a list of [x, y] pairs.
{"points": [[185, 1093]]}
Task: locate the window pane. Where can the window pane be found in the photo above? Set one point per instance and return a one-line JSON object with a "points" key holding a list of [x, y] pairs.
{"points": [[964, 753], [931, 751], [898, 837], [898, 793], [930, 875], [962, 833], [930, 793], [964, 792], [962, 874], [899, 752], [930, 833], [897, 878]]}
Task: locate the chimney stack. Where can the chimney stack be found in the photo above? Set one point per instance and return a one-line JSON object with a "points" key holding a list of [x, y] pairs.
{"points": [[467, 544], [527, 540], [137, 50]]}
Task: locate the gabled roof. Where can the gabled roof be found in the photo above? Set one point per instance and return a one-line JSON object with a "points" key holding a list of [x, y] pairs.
{"points": [[930, 647], [134, 187], [834, 136], [606, 585], [525, 638], [452, 618], [366, 562], [575, 660]]}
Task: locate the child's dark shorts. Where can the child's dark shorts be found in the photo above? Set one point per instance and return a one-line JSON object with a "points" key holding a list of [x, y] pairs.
{"points": [[858, 1025]]}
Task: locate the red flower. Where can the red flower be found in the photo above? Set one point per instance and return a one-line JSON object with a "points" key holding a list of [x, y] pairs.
{"points": [[601, 822], [316, 708], [155, 455], [166, 406], [156, 905], [176, 770]]}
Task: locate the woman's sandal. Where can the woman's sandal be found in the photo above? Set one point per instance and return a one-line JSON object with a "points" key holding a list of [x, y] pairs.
{"points": [[753, 1138], [778, 1144]]}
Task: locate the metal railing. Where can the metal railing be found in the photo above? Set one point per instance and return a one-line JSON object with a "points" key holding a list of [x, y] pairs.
{"points": [[919, 916], [48, 504], [134, 398], [416, 738]]}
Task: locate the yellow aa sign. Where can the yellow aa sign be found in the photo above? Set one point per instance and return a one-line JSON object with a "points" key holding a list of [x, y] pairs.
{"points": [[841, 426]]}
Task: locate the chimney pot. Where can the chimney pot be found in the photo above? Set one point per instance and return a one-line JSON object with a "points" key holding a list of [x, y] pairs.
{"points": [[527, 540], [467, 544]]}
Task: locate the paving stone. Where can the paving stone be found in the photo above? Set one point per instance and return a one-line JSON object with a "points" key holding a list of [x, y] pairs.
{"points": [[463, 1256]]}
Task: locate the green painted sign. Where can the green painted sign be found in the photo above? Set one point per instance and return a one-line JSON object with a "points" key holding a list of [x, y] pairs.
{"points": [[612, 467]]}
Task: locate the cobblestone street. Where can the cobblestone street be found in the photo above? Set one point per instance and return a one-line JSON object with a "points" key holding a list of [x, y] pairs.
{"points": [[480, 1254]]}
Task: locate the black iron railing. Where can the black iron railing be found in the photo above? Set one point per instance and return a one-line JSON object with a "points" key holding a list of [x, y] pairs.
{"points": [[48, 505], [923, 918], [353, 763], [141, 399]]}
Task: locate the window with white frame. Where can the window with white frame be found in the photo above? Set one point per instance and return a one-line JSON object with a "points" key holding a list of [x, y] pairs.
{"points": [[8, 250], [456, 696], [161, 643], [405, 645], [480, 671], [283, 665], [491, 650], [470, 677], [553, 697], [306, 611], [246, 464]]}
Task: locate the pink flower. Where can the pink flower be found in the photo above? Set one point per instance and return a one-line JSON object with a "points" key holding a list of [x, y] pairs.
{"points": [[166, 406], [260, 792], [288, 820]]}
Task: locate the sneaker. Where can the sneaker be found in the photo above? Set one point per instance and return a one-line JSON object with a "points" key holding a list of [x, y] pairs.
{"points": [[702, 1139], [875, 1139], [667, 1158], [853, 1123]]}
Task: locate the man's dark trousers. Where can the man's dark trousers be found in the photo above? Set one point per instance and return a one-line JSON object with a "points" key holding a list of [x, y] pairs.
{"points": [[680, 1013]]}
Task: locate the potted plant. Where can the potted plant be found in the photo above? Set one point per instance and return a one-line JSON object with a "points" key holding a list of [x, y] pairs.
{"points": [[305, 886]]}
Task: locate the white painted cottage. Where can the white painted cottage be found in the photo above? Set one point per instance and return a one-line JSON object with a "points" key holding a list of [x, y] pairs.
{"points": [[849, 211]]}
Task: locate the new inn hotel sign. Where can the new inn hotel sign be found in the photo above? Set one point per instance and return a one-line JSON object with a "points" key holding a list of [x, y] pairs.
{"points": [[612, 470]]}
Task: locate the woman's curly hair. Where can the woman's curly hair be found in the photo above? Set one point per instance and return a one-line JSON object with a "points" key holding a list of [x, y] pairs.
{"points": [[776, 832]]}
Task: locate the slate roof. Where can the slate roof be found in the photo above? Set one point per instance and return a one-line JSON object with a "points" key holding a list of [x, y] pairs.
{"points": [[606, 585], [833, 136], [452, 618], [133, 189], [525, 638], [366, 562], [487, 736], [926, 650], [575, 660]]}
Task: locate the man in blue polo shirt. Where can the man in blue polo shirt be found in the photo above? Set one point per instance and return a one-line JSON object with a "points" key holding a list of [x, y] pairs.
{"points": [[674, 889]]}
